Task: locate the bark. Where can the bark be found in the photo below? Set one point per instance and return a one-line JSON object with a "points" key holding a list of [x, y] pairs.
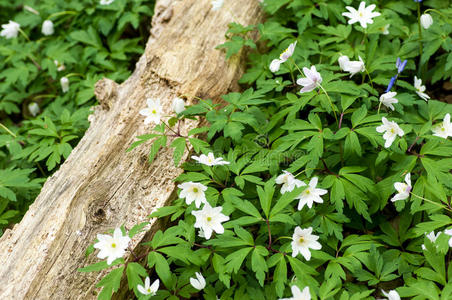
{"points": [[101, 186]]}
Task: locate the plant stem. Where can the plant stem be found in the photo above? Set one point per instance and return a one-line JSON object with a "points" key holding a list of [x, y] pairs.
{"points": [[7, 130], [61, 13], [420, 29], [370, 79], [432, 202], [291, 75], [74, 75], [293, 61], [306, 170], [446, 19], [24, 34], [411, 146], [177, 134], [331, 103], [340, 119], [269, 234]]}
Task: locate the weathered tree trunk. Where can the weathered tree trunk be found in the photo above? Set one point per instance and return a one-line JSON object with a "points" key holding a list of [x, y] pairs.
{"points": [[100, 186]]}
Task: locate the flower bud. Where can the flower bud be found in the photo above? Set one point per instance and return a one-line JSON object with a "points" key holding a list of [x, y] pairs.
{"points": [[178, 105], [426, 21], [33, 108], [64, 81], [47, 27]]}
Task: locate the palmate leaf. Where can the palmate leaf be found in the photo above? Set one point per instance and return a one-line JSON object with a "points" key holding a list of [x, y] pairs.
{"points": [[156, 146], [110, 283], [179, 145], [258, 263], [235, 259], [11, 179], [232, 46]]}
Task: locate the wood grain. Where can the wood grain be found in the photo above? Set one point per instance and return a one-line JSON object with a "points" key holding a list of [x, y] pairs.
{"points": [[101, 186]]}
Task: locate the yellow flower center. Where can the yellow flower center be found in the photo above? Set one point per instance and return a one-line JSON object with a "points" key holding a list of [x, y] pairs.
{"points": [[308, 192], [281, 55], [361, 14], [195, 190], [443, 129], [392, 130], [209, 219], [113, 245], [301, 240], [154, 111]]}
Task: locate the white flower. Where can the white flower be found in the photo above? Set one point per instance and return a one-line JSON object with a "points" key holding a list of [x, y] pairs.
{"points": [[311, 194], [363, 15], [152, 112], [201, 233], [312, 80], [275, 65], [33, 108], [199, 282], [10, 30], [444, 129], [178, 105], [302, 240], [426, 21], [385, 30], [149, 289], [210, 160], [288, 181], [391, 130], [403, 189], [209, 219], [217, 4], [60, 67], [387, 99], [297, 294], [112, 247], [449, 232], [193, 191], [350, 66], [343, 60], [420, 89], [392, 295], [106, 2], [47, 28], [64, 81], [285, 55], [432, 237]]}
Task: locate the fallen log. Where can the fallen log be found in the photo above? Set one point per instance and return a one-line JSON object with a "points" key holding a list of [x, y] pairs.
{"points": [[101, 186]]}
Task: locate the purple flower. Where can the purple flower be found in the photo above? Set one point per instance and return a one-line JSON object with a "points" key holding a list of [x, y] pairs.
{"points": [[418, 1], [400, 65], [391, 83]]}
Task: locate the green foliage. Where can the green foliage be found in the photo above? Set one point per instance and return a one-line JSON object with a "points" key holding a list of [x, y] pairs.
{"points": [[90, 41], [368, 243]]}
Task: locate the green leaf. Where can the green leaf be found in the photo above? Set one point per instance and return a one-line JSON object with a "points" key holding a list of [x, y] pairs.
{"points": [[156, 146], [100, 266], [110, 283], [359, 115], [134, 271], [163, 270], [258, 263], [179, 148], [265, 196], [199, 145], [235, 259]]}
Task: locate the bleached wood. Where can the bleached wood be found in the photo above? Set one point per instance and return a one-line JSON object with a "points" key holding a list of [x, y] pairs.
{"points": [[100, 186]]}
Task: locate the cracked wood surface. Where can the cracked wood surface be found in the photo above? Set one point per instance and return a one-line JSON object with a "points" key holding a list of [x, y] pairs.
{"points": [[101, 186]]}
